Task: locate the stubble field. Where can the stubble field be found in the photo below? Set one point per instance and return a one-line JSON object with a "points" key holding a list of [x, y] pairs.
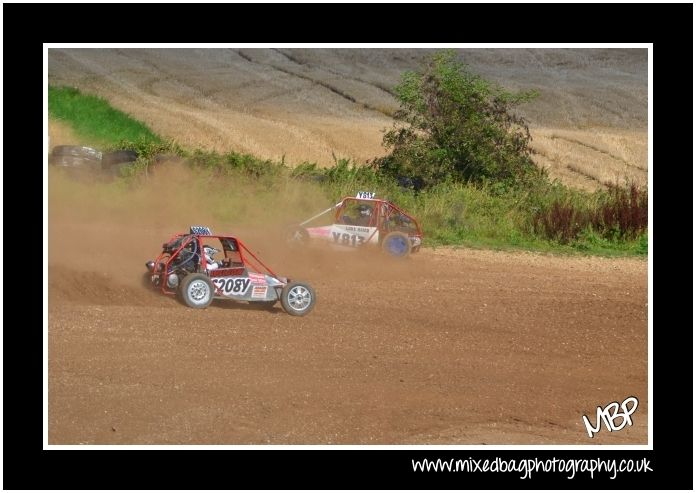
{"points": [[589, 124]]}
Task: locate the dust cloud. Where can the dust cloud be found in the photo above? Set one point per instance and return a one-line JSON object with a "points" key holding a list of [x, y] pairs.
{"points": [[100, 234]]}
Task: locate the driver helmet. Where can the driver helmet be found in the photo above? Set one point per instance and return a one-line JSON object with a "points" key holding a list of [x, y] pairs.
{"points": [[365, 210], [209, 252]]}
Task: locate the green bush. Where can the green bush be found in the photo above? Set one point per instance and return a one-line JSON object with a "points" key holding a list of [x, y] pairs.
{"points": [[454, 125]]}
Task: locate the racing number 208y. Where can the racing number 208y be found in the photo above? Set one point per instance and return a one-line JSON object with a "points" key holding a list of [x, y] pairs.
{"points": [[232, 285]]}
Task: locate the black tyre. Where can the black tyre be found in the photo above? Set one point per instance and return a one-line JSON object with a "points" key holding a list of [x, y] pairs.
{"points": [[196, 290], [77, 151], [397, 244], [74, 162], [76, 158], [298, 299], [110, 159]]}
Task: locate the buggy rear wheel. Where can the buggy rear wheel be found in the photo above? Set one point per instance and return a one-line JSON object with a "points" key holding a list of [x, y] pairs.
{"points": [[196, 290]]}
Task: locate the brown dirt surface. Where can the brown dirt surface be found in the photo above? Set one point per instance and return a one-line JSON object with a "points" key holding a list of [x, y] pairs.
{"points": [[451, 346], [589, 124]]}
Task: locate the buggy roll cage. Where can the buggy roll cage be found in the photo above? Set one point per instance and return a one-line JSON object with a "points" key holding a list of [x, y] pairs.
{"points": [[169, 259]]}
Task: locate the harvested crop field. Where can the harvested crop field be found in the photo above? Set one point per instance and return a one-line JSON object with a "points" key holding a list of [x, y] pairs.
{"points": [[589, 123]]}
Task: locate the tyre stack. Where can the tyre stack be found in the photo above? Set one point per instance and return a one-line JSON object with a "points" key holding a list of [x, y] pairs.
{"points": [[78, 161], [112, 163], [89, 163]]}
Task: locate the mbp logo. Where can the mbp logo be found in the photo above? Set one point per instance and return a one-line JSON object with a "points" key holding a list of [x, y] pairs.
{"points": [[609, 415]]}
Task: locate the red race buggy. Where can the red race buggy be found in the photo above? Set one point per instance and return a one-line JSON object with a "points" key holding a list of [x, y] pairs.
{"points": [[199, 266]]}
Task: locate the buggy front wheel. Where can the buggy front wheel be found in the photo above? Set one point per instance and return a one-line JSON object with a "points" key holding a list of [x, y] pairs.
{"points": [[397, 244], [297, 298]]}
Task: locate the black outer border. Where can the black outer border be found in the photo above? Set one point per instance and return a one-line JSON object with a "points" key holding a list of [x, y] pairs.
{"points": [[669, 27]]}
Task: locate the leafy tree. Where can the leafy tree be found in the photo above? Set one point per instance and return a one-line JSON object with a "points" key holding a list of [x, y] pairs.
{"points": [[454, 125]]}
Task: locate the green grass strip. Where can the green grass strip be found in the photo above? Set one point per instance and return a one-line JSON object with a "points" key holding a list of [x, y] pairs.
{"points": [[94, 119]]}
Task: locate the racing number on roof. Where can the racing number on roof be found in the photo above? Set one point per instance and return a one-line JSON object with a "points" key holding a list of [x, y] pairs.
{"points": [[232, 285]]}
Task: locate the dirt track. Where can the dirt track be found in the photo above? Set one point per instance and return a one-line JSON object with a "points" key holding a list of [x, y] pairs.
{"points": [[449, 347]]}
